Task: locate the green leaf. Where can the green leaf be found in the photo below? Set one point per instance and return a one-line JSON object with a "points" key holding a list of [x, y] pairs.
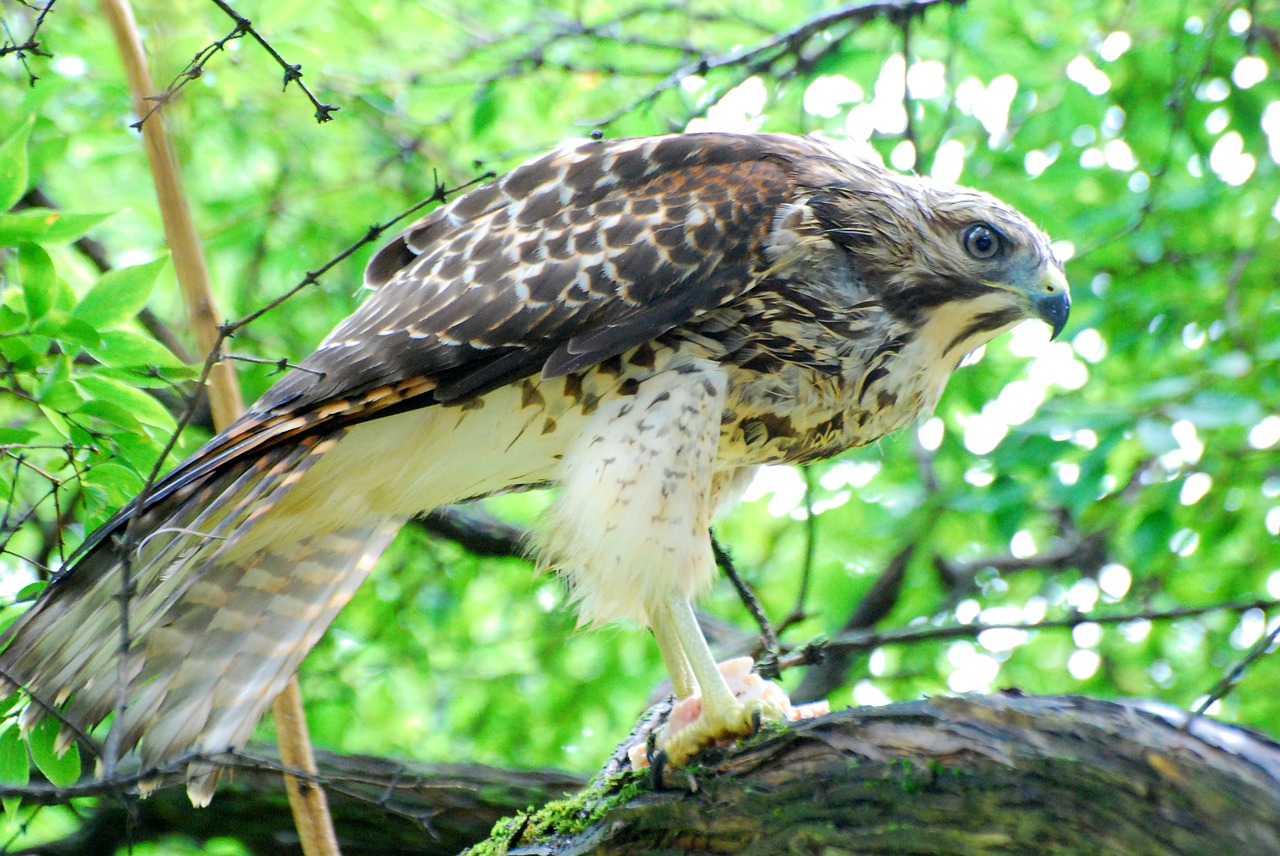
{"points": [[11, 806], [11, 319], [128, 350], [1212, 409], [1155, 436], [118, 295], [118, 483], [68, 329], [113, 414], [13, 165], [12, 434], [487, 110], [61, 394], [56, 420], [61, 771], [62, 228], [145, 408], [15, 767], [39, 279], [45, 225], [30, 591]]}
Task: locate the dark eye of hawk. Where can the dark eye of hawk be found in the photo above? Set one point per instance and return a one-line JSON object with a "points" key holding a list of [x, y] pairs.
{"points": [[982, 242]]}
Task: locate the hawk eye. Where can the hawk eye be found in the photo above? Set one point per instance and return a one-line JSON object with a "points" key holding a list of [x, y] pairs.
{"points": [[982, 242]]}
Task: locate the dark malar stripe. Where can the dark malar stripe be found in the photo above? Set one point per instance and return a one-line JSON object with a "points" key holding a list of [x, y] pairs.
{"points": [[912, 301], [986, 322]]}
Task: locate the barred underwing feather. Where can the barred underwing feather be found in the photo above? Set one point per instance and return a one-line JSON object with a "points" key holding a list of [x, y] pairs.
{"points": [[642, 321]]}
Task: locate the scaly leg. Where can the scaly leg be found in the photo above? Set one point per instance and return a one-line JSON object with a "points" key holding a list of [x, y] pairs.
{"points": [[673, 656], [723, 716]]}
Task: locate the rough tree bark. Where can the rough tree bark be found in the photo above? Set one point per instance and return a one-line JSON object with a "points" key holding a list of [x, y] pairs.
{"points": [[1005, 774], [950, 776]]}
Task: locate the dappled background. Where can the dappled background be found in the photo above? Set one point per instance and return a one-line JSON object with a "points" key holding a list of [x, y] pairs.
{"points": [[1095, 515]]}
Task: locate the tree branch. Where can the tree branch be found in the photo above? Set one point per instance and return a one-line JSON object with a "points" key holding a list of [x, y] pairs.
{"points": [[766, 56]]}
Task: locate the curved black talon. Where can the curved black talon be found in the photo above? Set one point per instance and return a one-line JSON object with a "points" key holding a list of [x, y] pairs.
{"points": [[657, 765]]}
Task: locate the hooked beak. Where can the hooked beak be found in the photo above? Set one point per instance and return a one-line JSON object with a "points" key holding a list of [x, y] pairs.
{"points": [[1052, 300]]}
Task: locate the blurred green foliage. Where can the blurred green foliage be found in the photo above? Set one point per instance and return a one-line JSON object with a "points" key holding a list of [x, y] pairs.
{"points": [[1140, 449]]}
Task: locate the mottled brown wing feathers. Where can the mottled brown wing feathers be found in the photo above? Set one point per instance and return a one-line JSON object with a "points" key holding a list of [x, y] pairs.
{"points": [[563, 263], [566, 261]]}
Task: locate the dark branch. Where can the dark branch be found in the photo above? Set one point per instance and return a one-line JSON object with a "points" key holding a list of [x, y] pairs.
{"points": [[820, 680], [769, 56], [195, 68], [870, 640], [30, 45]]}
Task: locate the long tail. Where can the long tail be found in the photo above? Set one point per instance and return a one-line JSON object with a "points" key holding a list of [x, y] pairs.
{"points": [[213, 632]]}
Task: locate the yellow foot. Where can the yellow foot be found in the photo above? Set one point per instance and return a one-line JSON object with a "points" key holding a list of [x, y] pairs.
{"points": [[689, 729]]}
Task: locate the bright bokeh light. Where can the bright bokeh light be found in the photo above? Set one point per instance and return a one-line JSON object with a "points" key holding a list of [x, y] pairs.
{"points": [[974, 670], [69, 66], [1213, 90], [948, 162], [1118, 156], [849, 474], [1083, 664], [927, 79], [999, 640], [867, 694], [1271, 127], [1083, 595], [828, 94], [1023, 545], [1037, 161], [1135, 631], [1114, 46], [1090, 345], [1249, 72], [1184, 542], [1189, 446], [1249, 629], [1087, 635], [884, 113], [1273, 584], [739, 111], [1194, 487], [1266, 433], [1217, 120], [930, 433], [1229, 161], [968, 610], [877, 663], [1114, 580], [903, 156], [983, 432], [1084, 72], [784, 486]]}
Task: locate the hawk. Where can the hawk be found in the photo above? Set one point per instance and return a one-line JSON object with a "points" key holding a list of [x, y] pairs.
{"points": [[639, 321]]}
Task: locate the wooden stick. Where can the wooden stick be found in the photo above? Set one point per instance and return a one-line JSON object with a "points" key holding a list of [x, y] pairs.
{"points": [[306, 799]]}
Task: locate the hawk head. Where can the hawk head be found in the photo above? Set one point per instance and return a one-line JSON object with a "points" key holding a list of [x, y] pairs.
{"points": [[920, 248]]}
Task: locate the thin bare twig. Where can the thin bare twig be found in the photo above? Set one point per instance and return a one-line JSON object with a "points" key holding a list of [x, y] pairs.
{"points": [[292, 72], [768, 636], [1235, 673], [30, 45], [870, 640], [195, 68], [768, 55]]}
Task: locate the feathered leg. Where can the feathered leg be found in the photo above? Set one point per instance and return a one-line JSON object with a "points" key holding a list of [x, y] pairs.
{"points": [[631, 528]]}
